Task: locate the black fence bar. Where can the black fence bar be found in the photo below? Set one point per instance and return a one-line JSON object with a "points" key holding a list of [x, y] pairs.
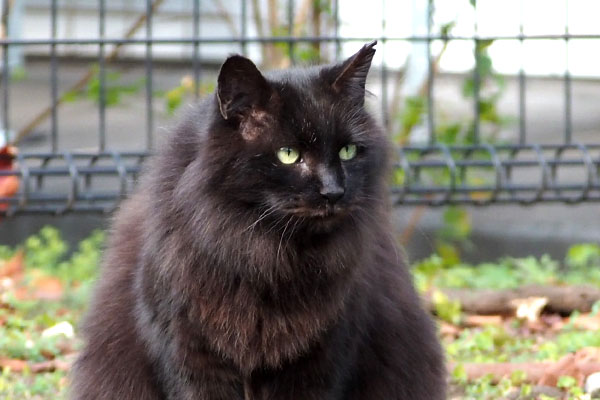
{"points": [[568, 85], [290, 22], [102, 79], [384, 72], [522, 85], [54, 76], [433, 173], [244, 25], [430, 78], [196, 49], [5, 75], [476, 80], [80, 180], [149, 77], [282, 39], [336, 29]]}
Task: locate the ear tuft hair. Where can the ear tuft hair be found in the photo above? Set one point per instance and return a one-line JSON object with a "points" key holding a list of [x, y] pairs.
{"points": [[240, 88], [350, 76]]}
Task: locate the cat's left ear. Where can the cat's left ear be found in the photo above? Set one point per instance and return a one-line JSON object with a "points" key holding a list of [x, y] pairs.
{"points": [[241, 88], [349, 78]]}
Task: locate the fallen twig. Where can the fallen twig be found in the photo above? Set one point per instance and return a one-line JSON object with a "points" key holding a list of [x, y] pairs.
{"points": [[561, 299], [19, 366], [579, 365]]}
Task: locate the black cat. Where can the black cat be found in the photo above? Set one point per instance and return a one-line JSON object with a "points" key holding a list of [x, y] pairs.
{"points": [[257, 259]]}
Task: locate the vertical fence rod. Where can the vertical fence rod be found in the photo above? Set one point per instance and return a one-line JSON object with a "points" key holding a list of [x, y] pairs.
{"points": [[54, 78], [336, 29], [149, 80], [244, 30], [102, 79], [5, 73], [430, 75], [522, 84], [384, 73], [290, 19], [476, 80], [196, 48], [568, 84]]}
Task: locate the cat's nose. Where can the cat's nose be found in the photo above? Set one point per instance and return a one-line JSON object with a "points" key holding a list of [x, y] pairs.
{"points": [[331, 185], [332, 193]]}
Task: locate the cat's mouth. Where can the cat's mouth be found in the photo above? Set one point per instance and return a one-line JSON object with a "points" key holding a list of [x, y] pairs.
{"points": [[326, 212]]}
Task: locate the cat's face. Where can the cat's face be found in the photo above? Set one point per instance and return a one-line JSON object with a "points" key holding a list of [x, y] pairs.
{"points": [[302, 145]]}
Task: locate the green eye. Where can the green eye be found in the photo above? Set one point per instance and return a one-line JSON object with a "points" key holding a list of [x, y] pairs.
{"points": [[288, 155], [348, 152]]}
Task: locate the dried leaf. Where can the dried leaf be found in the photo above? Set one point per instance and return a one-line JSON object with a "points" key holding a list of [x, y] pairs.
{"points": [[482, 320], [50, 366], [39, 367], [46, 288], [553, 321], [587, 322], [9, 186], [14, 364], [449, 330], [13, 267]]}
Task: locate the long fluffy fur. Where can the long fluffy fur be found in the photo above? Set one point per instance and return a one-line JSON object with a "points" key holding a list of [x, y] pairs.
{"points": [[204, 295]]}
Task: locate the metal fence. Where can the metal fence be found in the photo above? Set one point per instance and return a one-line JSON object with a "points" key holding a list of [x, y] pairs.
{"points": [[431, 173]]}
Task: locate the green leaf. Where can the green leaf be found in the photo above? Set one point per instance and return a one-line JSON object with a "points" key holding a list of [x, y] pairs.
{"points": [[322, 6], [306, 54], [484, 66], [398, 177], [595, 309], [174, 98], [484, 44], [114, 89], [18, 74], [459, 373], [457, 224], [448, 134], [488, 111], [446, 309], [566, 382], [583, 255], [468, 87], [446, 29], [70, 96], [449, 253], [414, 108], [517, 377]]}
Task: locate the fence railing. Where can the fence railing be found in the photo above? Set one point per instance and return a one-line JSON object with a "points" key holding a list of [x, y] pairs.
{"points": [[430, 173]]}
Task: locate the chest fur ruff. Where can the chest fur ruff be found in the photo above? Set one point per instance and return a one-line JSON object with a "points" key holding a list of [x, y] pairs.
{"points": [[254, 331]]}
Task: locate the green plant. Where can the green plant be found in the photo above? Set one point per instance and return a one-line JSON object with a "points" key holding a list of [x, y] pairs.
{"points": [[24, 317], [176, 96], [447, 272], [446, 309], [114, 88], [483, 84], [583, 256]]}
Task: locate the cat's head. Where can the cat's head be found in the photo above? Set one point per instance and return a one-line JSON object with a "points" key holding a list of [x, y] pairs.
{"points": [[297, 143]]}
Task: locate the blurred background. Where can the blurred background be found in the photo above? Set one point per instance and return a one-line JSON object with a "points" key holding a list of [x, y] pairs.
{"points": [[494, 103], [491, 106]]}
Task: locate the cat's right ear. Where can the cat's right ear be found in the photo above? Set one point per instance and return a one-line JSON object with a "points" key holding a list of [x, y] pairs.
{"points": [[350, 77], [241, 88]]}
